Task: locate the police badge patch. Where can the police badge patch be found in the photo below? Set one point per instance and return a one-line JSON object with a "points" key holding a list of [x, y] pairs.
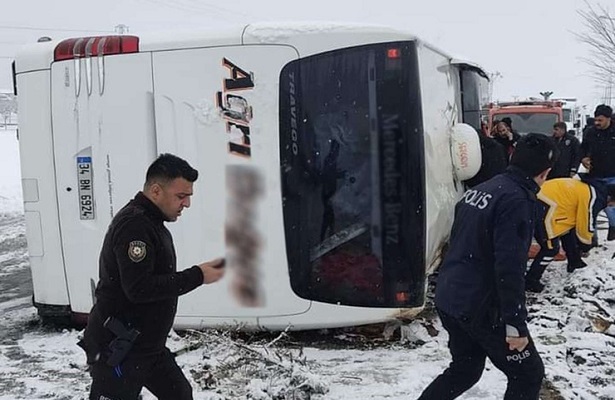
{"points": [[137, 251]]}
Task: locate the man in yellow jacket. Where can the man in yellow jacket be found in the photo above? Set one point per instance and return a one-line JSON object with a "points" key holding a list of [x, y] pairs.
{"points": [[566, 211]]}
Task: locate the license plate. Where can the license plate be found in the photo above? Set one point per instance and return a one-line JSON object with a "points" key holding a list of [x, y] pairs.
{"points": [[86, 188]]}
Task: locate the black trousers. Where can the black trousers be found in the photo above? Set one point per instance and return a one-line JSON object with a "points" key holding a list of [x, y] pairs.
{"points": [[159, 373], [545, 255], [470, 344]]}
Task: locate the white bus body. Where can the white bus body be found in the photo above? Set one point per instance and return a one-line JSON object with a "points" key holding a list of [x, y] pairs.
{"points": [[325, 159]]}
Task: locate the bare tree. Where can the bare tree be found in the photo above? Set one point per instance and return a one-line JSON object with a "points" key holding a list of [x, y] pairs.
{"points": [[599, 36], [8, 107]]}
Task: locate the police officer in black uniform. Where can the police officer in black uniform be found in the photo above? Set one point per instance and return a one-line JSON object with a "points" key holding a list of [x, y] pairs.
{"points": [[136, 296], [480, 291], [569, 150]]}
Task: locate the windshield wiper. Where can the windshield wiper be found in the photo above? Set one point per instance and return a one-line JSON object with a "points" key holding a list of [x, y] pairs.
{"points": [[337, 239]]}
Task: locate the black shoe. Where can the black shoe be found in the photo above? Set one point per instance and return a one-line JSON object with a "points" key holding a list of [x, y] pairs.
{"points": [[534, 286], [611, 235], [572, 267]]}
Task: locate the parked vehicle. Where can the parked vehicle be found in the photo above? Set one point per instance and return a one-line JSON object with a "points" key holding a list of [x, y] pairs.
{"points": [[527, 116], [571, 113]]}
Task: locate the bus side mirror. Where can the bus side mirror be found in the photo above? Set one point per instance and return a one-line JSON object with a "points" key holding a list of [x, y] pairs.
{"points": [[465, 151]]}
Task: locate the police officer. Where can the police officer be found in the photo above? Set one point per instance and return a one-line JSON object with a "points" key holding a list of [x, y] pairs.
{"points": [[569, 148], [566, 211], [136, 296], [480, 291]]}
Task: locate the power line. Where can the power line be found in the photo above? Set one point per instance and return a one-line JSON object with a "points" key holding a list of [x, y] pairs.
{"points": [[32, 28]]}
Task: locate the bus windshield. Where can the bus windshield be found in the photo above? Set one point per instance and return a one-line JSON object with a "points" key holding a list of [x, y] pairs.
{"points": [[352, 180]]}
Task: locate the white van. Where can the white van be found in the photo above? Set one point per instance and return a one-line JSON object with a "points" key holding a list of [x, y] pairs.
{"points": [[330, 159]]}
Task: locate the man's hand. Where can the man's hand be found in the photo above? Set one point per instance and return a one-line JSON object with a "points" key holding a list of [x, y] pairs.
{"points": [[212, 270], [517, 343], [587, 162]]}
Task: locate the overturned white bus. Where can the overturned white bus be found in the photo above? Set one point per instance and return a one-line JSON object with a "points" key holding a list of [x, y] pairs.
{"points": [[330, 159]]}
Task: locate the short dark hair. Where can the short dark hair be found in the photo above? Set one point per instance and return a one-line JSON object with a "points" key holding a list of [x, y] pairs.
{"points": [[534, 153], [603, 110], [507, 121], [168, 167], [560, 125]]}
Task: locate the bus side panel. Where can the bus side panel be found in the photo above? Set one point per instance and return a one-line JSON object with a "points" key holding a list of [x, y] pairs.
{"points": [[104, 141], [321, 315], [39, 190], [440, 112]]}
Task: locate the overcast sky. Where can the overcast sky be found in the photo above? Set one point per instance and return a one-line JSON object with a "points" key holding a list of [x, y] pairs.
{"points": [[530, 42]]}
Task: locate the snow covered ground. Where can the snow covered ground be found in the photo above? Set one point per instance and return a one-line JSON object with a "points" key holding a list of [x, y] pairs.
{"points": [[38, 362]]}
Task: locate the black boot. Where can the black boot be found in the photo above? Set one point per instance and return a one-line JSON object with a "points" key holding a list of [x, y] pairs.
{"points": [[611, 234], [534, 286], [572, 266]]}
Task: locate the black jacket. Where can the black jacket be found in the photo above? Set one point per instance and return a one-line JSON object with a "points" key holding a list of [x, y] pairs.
{"points": [[599, 144], [569, 158], [483, 273], [509, 144], [494, 159], [139, 284]]}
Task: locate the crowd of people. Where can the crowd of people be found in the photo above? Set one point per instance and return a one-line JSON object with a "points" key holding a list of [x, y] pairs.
{"points": [[533, 188], [570, 201]]}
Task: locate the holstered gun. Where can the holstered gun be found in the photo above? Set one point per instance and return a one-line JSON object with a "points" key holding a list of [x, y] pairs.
{"points": [[121, 345]]}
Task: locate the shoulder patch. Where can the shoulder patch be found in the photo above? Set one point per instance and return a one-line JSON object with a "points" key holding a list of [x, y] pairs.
{"points": [[137, 251]]}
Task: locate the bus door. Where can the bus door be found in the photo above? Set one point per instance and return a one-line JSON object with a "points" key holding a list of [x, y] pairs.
{"points": [[218, 108], [103, 141]]}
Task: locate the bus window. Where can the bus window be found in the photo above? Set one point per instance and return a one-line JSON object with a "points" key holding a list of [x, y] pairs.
{"points": [[352, 176], [474, 92]]}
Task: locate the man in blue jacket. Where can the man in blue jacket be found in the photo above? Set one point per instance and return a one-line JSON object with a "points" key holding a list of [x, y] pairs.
{"points": [[480, 292]]}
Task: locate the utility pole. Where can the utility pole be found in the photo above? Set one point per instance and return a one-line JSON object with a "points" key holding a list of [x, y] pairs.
{"points": [[493, 76], [608, 90]]}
